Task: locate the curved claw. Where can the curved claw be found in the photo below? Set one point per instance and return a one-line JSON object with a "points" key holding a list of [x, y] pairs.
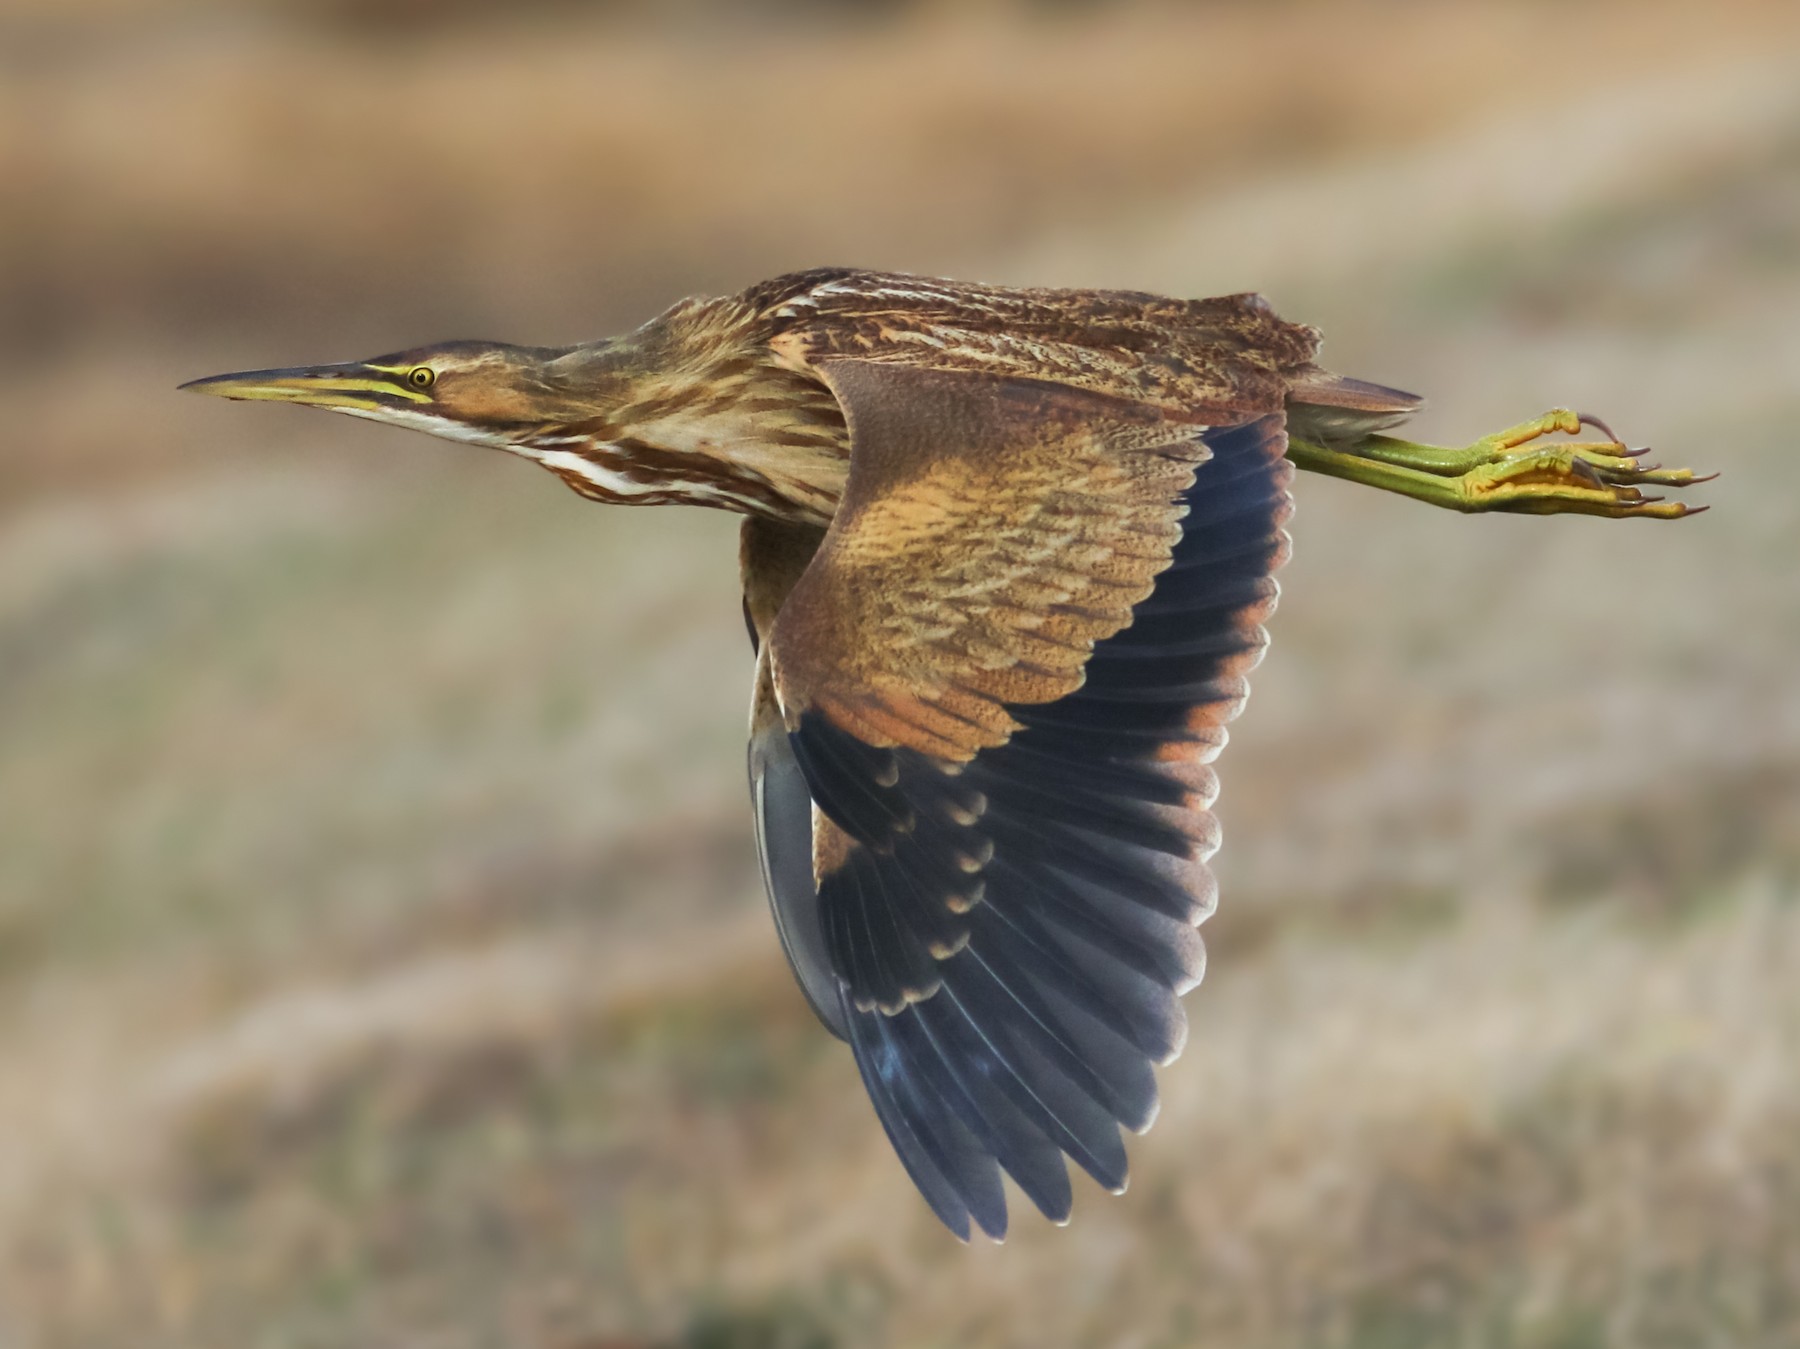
{"points": [[1582, 468], [1588, 419]]}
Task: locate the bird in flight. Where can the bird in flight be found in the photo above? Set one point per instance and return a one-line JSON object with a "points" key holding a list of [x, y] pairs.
{"points": [[1006, 559]]}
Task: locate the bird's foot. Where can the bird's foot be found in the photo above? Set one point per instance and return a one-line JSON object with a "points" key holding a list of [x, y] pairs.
{"points": [[1592, 477], [1507, 471]]}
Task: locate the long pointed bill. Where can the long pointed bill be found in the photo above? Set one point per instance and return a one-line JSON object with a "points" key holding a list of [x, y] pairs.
{"points": [[353, 387]]}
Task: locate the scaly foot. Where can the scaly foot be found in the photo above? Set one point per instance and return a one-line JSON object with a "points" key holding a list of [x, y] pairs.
{"points": [[1505, 472], [1567, 479]]}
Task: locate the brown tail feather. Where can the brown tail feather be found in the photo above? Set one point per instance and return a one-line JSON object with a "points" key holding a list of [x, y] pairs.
{"points": [[1323, 407]]}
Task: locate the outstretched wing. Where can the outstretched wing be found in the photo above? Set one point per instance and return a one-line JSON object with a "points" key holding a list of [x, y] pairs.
{"points": [[1003, 676]]}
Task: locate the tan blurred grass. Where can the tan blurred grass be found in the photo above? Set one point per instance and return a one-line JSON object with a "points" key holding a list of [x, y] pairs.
{"points": [[379, 945]]}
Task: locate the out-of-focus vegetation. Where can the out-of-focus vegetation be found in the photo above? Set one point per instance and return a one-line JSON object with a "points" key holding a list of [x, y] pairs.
{"points": [[381, 955]]}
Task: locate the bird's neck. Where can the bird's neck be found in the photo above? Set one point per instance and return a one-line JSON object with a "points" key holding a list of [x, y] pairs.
{"points": [[703, 417]]}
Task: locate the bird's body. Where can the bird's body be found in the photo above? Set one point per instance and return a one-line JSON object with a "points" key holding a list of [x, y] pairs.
{"points": [[1006, 561]]}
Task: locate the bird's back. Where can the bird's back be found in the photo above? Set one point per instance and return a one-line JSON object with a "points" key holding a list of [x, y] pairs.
{"points": [[1213, 360]]}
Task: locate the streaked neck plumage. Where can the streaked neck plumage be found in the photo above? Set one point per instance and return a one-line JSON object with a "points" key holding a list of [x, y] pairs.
{"points": [[692, 409]]}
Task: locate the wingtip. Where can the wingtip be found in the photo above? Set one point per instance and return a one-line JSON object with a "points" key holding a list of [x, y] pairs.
{"points": [[1149, 1119]]}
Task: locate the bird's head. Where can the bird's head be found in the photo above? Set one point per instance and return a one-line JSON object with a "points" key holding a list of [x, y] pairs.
{"points": [[488, 393]]}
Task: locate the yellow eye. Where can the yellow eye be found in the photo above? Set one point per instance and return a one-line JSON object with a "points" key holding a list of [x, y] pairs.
{"points": [[422, 377]]}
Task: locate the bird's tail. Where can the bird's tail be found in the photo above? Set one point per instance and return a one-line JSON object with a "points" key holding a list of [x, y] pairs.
{"points": [[1330, 409]]}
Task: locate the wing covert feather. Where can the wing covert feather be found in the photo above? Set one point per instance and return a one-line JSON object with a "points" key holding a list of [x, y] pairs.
{"points": [[991, 531]]}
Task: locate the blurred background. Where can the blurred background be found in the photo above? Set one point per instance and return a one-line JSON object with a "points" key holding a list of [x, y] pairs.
{"points": [[382, 959]]}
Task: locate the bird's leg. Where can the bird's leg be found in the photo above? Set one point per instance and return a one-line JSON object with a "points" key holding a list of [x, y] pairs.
{"points": [[1505, 472]]}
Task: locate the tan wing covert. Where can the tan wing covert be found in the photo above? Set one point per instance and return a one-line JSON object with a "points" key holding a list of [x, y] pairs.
{"points": [[991, 532]]}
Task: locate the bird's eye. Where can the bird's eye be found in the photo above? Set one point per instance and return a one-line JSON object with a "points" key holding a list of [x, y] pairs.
{"points": [[423, 377]]}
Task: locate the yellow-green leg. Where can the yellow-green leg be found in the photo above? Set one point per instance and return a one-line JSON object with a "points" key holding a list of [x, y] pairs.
{"points": [[1504, 472]]}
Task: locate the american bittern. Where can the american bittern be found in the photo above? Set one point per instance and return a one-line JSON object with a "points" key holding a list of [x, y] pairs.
{"points": [[1006, 559]]}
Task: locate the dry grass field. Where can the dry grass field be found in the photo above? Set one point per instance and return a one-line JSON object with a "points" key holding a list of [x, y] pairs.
{"points": [[382, 960]]}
